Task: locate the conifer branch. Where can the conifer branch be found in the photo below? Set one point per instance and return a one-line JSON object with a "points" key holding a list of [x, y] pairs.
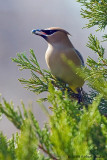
{"points": [[95, 12], [47, 152]]}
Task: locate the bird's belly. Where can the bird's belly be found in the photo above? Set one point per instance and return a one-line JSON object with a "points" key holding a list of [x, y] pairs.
{"points": [[62, 70]]}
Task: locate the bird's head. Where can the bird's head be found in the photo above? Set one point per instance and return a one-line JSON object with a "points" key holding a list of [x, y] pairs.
{"points": [[52, 35]]}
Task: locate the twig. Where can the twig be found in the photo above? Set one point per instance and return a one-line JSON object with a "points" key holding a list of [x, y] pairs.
{"points": [[44, 150]]}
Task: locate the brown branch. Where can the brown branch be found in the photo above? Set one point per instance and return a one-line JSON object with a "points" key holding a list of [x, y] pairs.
{"points": [[104, 62], [44, 150]]}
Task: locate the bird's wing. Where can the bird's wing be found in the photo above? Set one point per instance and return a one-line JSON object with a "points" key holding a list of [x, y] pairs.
{"points": [[80, 56]]}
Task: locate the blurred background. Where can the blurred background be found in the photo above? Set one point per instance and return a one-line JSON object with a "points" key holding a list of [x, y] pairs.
{"points": [[17, 19]]}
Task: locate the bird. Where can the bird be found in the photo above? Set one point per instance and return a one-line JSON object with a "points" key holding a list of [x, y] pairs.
{"points": [[59, 44]]}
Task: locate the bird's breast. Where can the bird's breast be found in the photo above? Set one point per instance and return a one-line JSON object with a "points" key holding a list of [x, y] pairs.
{"points": [[54, 60], [59, 67]]}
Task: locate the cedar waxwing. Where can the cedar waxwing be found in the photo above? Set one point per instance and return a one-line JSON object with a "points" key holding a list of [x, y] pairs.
{"points": [[58, 45]]}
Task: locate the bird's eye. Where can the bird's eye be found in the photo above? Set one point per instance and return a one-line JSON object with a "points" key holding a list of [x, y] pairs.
{"points": [[51, 32]]}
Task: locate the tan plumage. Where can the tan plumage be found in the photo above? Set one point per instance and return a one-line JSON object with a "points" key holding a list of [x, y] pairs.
{"points": [[58, 44]]}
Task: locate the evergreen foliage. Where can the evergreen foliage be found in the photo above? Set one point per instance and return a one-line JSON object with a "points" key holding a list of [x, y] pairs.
{"points": [[74, 131], [96, 12]]}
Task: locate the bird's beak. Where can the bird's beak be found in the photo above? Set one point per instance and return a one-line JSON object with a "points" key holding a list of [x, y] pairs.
{"points": [[38, 32]]}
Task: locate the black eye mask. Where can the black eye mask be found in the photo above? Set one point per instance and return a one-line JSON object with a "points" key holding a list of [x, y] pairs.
{"points": [[48, 32]]}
